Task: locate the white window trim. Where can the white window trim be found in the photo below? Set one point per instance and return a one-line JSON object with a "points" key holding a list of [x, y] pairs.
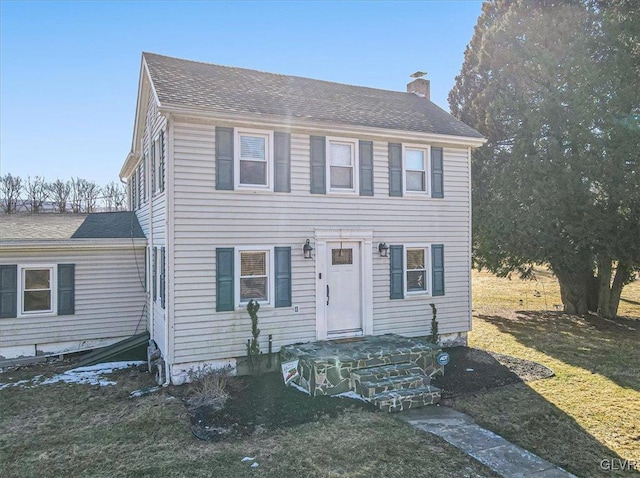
{"points": [[427, 166], [428, 271], [354, 143], [269, 158], [271, 282], [54, 290]]}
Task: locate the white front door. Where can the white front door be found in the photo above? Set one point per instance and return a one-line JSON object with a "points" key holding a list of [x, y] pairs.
{"points": [[344, 288]]}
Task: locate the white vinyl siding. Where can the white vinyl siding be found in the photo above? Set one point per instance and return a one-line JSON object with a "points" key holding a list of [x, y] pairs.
{"points": [[109, 297], [206, 219]]}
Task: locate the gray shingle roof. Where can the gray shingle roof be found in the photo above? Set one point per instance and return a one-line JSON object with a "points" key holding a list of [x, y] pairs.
{"points": [[109, 225], [46, 227], [226, 89]]}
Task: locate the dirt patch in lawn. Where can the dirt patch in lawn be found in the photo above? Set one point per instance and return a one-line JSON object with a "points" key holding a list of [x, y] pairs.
{"points": [[472, 370], [264, 402]]}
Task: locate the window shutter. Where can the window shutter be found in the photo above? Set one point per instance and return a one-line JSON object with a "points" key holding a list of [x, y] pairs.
{"points": [[154, 273], [153, 168], [163, 281], [66, 289], [437, 268], [437, 177], [395, 169], [224, 279], [8, 291], [318, 165], [282, 159], [224, 158], [366, 168], [282, 261], [397, 272], [162, 161], [146, 269]]}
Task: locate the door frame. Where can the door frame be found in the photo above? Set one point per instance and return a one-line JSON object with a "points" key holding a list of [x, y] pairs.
{"points": [[365, 238]]}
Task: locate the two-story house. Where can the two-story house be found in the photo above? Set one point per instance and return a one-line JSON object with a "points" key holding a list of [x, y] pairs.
{"points": [[343, 210]]}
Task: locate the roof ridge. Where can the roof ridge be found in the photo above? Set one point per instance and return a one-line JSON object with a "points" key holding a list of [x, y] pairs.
{"points": [[282, 75]]}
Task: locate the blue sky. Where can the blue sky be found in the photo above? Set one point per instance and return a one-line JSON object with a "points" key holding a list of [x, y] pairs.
{"points": [[69, 70]]}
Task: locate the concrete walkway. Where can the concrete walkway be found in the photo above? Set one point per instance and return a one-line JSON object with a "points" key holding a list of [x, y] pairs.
{"points": [[501, 456]]}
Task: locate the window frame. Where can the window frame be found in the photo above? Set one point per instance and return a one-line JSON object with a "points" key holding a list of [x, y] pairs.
{"points": [[238, 250], [53, 287], [355, 157], [269, 158], [427, 270], [426, 149]]}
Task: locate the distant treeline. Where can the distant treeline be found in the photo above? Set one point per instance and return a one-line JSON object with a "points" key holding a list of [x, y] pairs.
{"points": [[77, 195]]}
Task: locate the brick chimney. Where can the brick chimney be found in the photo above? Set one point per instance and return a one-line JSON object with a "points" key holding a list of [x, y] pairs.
{"points": [[420, 86]]}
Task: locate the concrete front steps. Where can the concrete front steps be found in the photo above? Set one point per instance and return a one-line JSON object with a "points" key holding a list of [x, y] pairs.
{"points": [[391, 371]]}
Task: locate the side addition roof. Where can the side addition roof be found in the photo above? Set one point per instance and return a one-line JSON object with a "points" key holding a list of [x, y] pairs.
{"points": [[224, 89], [15, 228]]}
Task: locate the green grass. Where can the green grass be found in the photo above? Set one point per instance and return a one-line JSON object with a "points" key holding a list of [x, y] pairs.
{"points": [[590, 410]]}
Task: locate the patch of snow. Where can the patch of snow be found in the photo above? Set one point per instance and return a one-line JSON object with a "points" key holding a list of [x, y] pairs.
{"points": [[350, 394], [13, 384], [298, 387], [254, 465], [248, 458], [144, 392], [91, 375]]}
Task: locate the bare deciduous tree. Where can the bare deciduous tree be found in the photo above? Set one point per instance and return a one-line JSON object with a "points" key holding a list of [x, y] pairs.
{"points": [[60, 192], [90, 194], [114, 196], [37, 193], [10, 190]]}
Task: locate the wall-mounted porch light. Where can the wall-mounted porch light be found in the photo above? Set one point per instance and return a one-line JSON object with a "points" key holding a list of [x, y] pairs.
{"points": [[383, 249], [307, 249]]}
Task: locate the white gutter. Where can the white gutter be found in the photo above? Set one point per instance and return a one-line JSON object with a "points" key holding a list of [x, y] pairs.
{"points": [[323, 126], [76, 244], [169, 241]]}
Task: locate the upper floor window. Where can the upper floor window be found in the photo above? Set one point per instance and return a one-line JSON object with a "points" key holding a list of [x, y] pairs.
{"points": [[254, 158], [342, 165], [416, 169]]}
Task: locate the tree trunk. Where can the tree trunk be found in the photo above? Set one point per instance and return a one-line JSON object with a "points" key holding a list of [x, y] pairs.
{"points": [[620, 279], [573, 290], [604, 295]]}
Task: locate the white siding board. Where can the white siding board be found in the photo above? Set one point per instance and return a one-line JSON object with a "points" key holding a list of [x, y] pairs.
{"points": [[109, 298], [205, 219]]}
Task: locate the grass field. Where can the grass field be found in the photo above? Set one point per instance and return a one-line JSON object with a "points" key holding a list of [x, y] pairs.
{"points": [[588, 412]]}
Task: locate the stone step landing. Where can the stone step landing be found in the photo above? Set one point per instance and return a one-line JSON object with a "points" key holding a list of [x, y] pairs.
{"points": [[384, 371]]}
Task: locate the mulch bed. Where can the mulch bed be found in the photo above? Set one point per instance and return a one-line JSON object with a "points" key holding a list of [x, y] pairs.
{"points": [[264, 402]]}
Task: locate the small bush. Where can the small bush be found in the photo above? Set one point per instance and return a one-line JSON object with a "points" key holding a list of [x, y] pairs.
{"points": [[207, 387]]}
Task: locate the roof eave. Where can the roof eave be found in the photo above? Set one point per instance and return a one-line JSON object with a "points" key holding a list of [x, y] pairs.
{"points": [[326, 126], [76, 244]]}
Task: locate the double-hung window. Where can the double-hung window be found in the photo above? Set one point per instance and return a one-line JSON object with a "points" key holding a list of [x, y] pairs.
{"points": [[342, 165], [416, 270], [37, 290], [254, 159], [416, 169], [254, 276]]}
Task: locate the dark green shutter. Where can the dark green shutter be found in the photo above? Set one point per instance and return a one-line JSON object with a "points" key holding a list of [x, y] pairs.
{"points": [[282, 262], [282, 160], [366, 168], [318, 165], [437, 178], [224, 158], [395, 169], [154, 273], [8, 291], [437, 268], [162, 161], [163, 266], [396, 260], [66, 289], [224, 279]]}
